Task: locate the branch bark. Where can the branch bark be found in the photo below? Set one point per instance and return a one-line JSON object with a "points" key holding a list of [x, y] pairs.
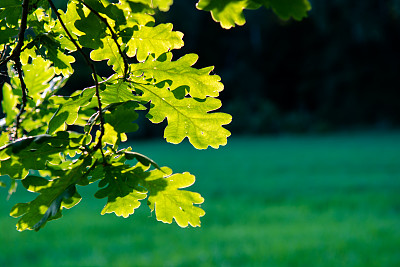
{"points": [[91, 65], [15, 56], [21, 34], [113, 35]]}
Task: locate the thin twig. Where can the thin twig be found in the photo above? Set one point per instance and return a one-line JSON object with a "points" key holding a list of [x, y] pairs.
{"points": [[15, 56], [113, 35], [21, 34], [90, 64], [24, 98], [3, 53]]}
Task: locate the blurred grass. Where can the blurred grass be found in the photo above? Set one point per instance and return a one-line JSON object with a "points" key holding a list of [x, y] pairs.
{"points": [[273, 201]]}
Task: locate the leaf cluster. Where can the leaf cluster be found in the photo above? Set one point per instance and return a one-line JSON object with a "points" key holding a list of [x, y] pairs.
{"points": [[54, 143]]}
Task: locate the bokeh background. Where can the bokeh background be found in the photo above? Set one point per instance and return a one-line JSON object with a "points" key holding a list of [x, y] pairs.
{"points": [[310, 176]]}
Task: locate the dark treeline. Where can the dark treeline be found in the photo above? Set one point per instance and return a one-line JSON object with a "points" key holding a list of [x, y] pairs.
{"points": [[337, 69]]}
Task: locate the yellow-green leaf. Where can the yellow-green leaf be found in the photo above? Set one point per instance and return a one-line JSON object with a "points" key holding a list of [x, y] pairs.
{"points": [[187, 117], [199, 82]]}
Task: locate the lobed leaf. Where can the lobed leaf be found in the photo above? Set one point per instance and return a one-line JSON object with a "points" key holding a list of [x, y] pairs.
{"points": [[230, 12], [144, 40], [9, 103], [10, 11], [169, 202], [163, 5], [109, 52], [67, 113], [54, 195], [123, 197], [286, 9], [119, 122], [35, 153], [198, 82], [116, 92], [93, 28], [38, 74], [187, 117], [7, 32]]}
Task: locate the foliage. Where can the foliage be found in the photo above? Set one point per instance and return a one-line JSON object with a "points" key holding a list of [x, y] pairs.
{"points": [[54, 143]]}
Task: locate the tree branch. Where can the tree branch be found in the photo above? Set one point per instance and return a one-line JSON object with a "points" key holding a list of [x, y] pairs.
{"points": [[21, 34], [113, 35], [90, 64], [15, 56], [24, 98]]}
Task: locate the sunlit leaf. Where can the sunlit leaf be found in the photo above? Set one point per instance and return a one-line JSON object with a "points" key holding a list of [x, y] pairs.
{"points": [[169, 201], [68, 110], [163, 5], [198, 82], [109, 51], [187, 117], [9, 103], [230, 12], [123, 197], [145, 40], [37, 77], [54, 194]]}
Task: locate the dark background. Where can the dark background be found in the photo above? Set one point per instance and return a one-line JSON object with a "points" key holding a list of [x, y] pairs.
{"points": [[337, 69]]}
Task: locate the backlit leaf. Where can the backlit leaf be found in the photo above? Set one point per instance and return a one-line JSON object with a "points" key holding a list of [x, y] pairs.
{"points": [[199, 81], [9, 103], [169, 202], [145, 40], [109, 51], [68, 110], [230, 12], [187, 117], [37, 77], [163, 5], [123, 198], [116, 92], [54, 195]]}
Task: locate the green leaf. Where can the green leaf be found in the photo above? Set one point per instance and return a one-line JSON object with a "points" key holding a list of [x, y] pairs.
{"points": [[230, 12], [122, 116], [12, 189], [61, 61], [54, 195], [169, 202], [9, 103], [4, 139], [286, 9], [70, 17], [227, 12], [116, 92], [119, 122], [187, 117], [7, 32], [10, 11], [135, 14], [94, 30], [199, 81], [163, 5], [123, 197], [38, 74], [68, 111], [10, 3], [35, 153], [157, 40], [109, 51]]}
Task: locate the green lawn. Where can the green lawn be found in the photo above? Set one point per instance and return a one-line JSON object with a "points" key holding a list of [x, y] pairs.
{"points": [[274, 201]]}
